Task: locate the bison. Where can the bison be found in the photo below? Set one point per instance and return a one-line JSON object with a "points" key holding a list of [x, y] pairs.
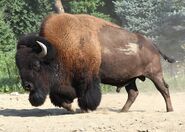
{"points": [[72, 53]]}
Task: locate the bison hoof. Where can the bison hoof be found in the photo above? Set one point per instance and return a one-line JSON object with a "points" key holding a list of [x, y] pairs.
{"points": [[170, 110], [68, 107], [124, 110], [118, 89], [71, 110], [83, 111]]}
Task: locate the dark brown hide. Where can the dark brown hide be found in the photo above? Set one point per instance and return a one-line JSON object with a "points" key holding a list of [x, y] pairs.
{"points": [[127, 56]]}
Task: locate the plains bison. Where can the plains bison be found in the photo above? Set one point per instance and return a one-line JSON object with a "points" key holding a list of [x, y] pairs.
{"points": [[73, 51]]}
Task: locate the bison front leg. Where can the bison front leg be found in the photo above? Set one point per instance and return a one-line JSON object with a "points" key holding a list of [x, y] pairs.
{"points": [[63, 96], [132, 91], [58, 100], [89, 94]]}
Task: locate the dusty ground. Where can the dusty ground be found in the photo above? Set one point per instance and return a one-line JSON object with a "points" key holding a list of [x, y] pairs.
{"points": [[146, 115]]}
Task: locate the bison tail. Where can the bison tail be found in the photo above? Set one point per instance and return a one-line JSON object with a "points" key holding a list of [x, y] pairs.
{"points": [[170, 60], [92, 96]]}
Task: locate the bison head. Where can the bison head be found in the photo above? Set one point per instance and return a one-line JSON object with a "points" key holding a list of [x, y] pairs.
{"points": [[35, 61]]}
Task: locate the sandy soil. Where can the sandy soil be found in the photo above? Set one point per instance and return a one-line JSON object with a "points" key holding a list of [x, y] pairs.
{"points": [[146, 115]]}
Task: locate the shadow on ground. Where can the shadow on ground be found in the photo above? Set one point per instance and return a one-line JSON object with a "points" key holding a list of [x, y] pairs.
{"points": [[54, 112], [35, 112]]}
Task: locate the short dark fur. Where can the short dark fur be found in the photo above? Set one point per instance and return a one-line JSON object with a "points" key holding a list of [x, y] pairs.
{"points": [[121, 69]]}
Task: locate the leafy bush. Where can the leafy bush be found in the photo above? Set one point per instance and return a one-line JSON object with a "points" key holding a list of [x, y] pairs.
{"points": [[8, 74], [88, 7], [17, 18], [25, 15], [141, 15], [162, 20]]}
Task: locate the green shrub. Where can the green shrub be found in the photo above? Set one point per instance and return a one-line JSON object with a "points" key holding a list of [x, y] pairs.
{"points": [[25, 16], [8, 73], [88, 7]]}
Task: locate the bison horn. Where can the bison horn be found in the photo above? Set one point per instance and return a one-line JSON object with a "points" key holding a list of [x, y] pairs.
{"points": [[44, 49]]}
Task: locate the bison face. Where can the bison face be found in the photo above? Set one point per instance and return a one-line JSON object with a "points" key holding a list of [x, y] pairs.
{"points": [[35, 61]]}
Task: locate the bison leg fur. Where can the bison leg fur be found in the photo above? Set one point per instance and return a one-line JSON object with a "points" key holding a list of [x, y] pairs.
{"points": [[91, 97], [162, 87], [133, 92], [58, 100]]}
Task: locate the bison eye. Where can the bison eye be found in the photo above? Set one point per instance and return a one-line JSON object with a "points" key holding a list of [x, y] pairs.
{"points": [[36, 65]]}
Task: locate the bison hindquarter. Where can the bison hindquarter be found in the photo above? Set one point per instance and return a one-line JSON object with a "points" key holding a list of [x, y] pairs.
{"points": [[127, 56]]}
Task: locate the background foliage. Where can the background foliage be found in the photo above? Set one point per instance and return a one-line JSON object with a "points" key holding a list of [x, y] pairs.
{"points": [[7, 51], [25, 15], [146, 16], [162, 20], [91, 7], [16, 18]]}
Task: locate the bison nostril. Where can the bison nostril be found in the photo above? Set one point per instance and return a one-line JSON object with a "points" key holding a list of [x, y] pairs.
{"points": [[28, 86]]}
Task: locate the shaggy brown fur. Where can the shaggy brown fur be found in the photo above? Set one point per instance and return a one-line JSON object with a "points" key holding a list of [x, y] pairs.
{"points": [[76, 39]]}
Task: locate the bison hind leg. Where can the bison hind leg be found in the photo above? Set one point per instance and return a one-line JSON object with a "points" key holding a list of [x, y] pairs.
{"points": [[162, 87], [91, 97]]}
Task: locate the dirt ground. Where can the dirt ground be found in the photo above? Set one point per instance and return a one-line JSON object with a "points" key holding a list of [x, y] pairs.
{"points": [[146, 115]]}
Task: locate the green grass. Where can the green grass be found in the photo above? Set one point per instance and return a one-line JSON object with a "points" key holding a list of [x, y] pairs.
{"points": [[176, 84], [107, 88], [8, 85]]}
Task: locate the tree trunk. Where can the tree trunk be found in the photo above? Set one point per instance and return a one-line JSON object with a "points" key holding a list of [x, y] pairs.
{"points": [[58, 7]]}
